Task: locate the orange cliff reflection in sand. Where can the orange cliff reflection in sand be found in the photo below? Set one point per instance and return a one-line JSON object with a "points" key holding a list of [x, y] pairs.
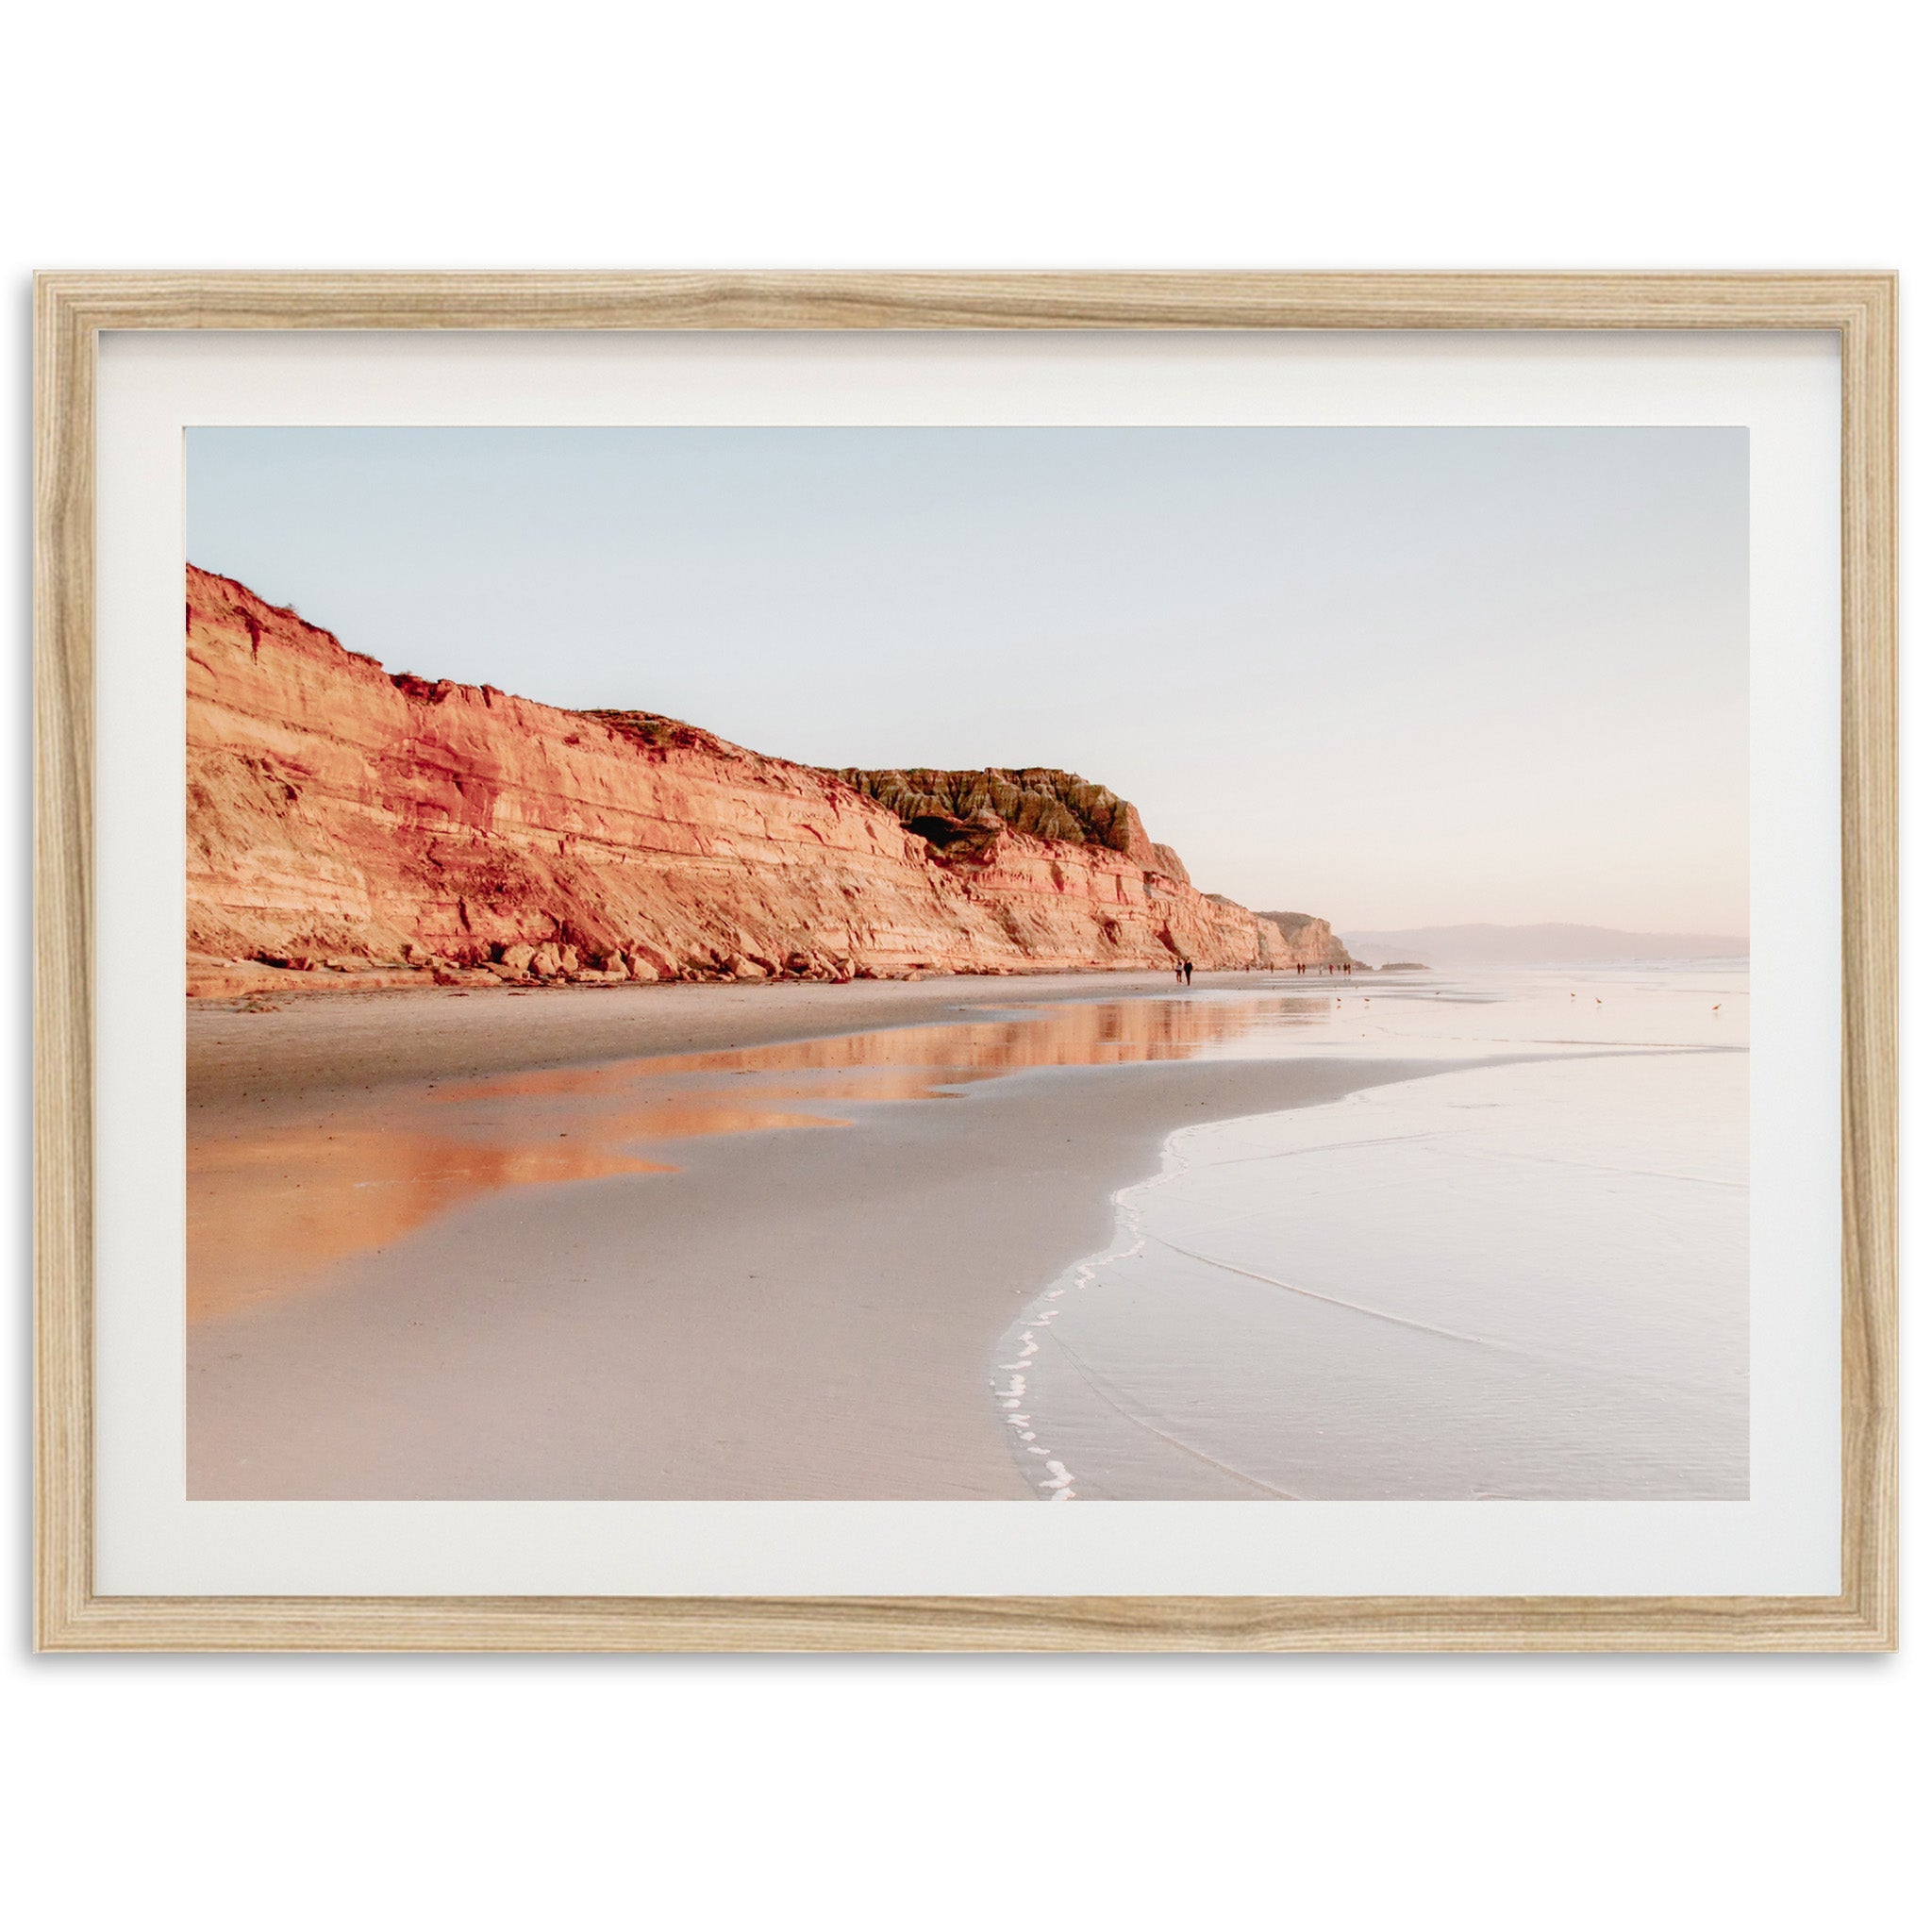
{"points": [[274, 1211], [1103, 1033]]}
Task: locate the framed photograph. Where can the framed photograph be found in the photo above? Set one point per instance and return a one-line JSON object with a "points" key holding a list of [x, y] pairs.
{"points": [[700, 937]]}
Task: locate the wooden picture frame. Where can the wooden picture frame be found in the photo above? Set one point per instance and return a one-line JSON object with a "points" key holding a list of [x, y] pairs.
{"points": [[73, 309]]}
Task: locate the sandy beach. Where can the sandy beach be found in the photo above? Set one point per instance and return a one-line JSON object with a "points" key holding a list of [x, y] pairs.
{"points": [[1064, 1236], [343, 1041], [690, 1242]]}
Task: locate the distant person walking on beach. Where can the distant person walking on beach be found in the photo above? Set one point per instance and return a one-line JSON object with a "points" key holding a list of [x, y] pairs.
{"points": [[1176, 972], [1188, 967]]}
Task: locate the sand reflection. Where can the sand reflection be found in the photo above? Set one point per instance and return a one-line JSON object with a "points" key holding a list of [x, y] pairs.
{"points": [[1106, 1033], [276, 1210]]}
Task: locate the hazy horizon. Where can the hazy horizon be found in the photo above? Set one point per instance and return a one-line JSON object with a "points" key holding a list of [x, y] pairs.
{"points": [[1394, 677], [1546, 943]]}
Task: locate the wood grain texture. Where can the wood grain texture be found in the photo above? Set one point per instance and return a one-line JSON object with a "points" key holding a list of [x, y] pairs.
{"points": [[72, 309], [835, 301], [63, 963], [1869, 834]]}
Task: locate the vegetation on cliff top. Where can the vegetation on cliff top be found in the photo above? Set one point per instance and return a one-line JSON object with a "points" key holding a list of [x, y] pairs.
{"points": [[1040, 801], [1047, 804]]}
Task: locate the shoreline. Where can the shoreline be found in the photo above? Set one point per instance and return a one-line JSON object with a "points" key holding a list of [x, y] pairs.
{"points": [[786, 1314], [283, 1059], [1240, 1337]]}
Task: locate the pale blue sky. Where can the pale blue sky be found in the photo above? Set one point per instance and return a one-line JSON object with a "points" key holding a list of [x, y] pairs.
{"points": [[1391, 676]]}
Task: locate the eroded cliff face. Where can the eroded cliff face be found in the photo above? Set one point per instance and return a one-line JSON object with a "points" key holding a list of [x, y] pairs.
{"points": [[344, 821], [1311, 939]]}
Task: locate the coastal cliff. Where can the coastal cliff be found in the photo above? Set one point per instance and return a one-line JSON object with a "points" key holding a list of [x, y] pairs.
{"points": [[1309, 939], [342, 820]]}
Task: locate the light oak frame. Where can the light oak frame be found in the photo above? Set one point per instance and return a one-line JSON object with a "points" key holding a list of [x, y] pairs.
{"points": [[71, 311]]}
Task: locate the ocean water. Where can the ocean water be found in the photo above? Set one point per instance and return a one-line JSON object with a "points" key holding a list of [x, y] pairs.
{"points": [[1524, 1279]]}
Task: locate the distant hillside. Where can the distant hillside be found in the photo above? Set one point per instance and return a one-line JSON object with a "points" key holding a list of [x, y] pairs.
{"points": [[1539, 945]]}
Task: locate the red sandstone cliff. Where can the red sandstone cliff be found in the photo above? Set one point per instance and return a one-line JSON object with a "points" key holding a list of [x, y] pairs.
{"points": [[339, 817]]}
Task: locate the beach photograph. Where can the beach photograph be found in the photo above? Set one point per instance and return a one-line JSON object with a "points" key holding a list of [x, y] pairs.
{"points": [[1008, 964]]}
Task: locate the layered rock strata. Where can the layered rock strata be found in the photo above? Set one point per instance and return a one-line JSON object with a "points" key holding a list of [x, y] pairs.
{"points": [[363, 828]]}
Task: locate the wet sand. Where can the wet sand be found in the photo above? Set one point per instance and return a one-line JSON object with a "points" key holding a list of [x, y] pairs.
{"points": [[620, 1243], [305, 1042]]}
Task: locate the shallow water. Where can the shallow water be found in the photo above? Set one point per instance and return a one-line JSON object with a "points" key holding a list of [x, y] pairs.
{"points": [[1524, 1280]]}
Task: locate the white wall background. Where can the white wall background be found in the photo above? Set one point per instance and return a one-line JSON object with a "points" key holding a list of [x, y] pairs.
{"points": [[1180, 1792]]}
